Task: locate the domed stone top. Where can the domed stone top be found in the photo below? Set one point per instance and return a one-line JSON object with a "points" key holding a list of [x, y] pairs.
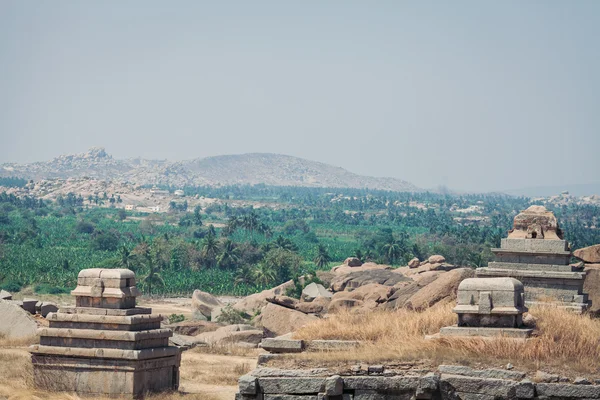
{"points": [[536, 222], [106, 288]]}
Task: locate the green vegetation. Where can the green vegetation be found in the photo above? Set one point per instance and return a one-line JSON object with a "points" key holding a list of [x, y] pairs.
{"points": [[232, 248]]}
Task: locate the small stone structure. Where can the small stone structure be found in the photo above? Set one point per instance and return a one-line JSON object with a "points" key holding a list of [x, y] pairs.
{"points": [[489, 307], [105, 345], [536, 254]]}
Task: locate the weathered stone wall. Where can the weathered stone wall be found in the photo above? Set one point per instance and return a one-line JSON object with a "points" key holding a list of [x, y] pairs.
{"points": [[448, 382]]}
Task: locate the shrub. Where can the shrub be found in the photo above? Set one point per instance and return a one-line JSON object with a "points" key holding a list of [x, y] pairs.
{"points": [[231, 316], [175, 318], [44, 288], [11, 286]]}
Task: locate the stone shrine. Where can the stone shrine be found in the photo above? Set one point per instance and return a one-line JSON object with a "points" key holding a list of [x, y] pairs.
{"points": [[489, 307], [105, 345], [536, 254]]}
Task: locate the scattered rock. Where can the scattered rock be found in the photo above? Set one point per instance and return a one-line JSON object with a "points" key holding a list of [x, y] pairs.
{"points": [[375, 369], [193, 328], [314, 290], [239, 334], [256, 301], [581, 381], [277, 320], [284, 301], [414, 263], [529, 320], [353, 262], [541, 376], [436, 259], [589, 254], [203, 304], [16, 322], [47, 308], [29, 305]]}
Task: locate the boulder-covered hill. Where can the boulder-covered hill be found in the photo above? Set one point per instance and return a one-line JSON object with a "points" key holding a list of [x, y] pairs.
{"points": [[254, 168]]}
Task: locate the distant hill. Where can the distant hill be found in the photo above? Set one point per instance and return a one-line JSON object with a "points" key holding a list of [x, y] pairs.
{"points": [[254, 168]]}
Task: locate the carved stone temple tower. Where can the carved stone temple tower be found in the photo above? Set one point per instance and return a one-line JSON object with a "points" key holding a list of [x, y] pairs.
{"points": [[105, 345], [536, 254]]}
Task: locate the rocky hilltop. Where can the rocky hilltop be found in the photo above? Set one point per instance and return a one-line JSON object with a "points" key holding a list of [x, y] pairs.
{"points": [[254, 168]]}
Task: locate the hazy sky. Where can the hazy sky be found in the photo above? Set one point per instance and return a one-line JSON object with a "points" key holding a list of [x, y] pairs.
{"points": [[475, 95]]}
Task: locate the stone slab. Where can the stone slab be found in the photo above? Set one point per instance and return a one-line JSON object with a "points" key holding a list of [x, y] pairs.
{"points": [[106, 311], [292, 385], [485, 332], [331, 345], [531, 267], [144, 354], [535, 245], [131, 336], [276, 345], [493, 272]]}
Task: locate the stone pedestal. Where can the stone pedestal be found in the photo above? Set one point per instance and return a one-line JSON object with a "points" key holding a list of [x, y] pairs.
{"points": [[535, 254], [489, 307], [105, 345]]}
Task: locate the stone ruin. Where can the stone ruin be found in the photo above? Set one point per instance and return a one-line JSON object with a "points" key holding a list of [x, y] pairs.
{"points": [[489, 307], [536, 254], [105, 345]]}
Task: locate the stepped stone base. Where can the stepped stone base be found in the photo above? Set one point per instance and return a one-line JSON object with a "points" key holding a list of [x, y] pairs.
{"points": [[517, 333], [103, 376]]}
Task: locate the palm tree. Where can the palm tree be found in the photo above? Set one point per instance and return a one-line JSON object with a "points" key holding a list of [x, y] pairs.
{"points": [[229, 254], [244, 276], [392, 251], [153, 277], [127, 259], [264, 275], [210, 248], [284, 243], [322, 258]]}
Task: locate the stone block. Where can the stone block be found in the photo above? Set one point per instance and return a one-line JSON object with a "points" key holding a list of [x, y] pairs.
{"points": [[535, 245], [382, 383], [292, 385], [562, 390], [275, 345], [276, 396], [499, 388], [481, 373], [330, 345], [248, 385], [382, 395], [515, 333], [29, 305], [4, 295], [334, 386], [47, 308]]}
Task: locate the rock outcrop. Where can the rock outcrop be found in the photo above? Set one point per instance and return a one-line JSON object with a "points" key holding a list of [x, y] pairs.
{"points": [[314, 290], [277, 320], [203, 303], [589, 254], [16, 322], [255, 302]]}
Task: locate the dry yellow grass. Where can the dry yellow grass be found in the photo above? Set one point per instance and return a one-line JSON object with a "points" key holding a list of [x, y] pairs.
{"points": [[562, 341]]}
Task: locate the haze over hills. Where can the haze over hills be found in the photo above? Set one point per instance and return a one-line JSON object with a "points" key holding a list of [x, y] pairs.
{"points": [[254, 168]]}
